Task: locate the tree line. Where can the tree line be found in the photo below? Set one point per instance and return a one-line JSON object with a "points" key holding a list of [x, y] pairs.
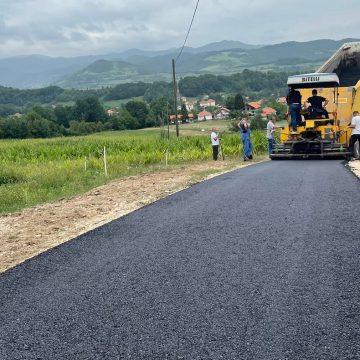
{"points": [[87, 116]]}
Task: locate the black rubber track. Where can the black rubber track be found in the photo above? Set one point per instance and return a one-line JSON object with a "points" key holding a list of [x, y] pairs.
{"points": [[261, 263]]}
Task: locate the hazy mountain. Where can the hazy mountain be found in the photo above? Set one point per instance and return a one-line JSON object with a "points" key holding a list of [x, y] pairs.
{"points": [[215, 46], [103, 72], [223, 57], [143, 53], [35, 71], [222, 45], [236, 59]]}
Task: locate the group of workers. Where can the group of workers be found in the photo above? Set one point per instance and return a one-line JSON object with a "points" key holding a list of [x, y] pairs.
{"points": [[244, 126], [315, 110]]}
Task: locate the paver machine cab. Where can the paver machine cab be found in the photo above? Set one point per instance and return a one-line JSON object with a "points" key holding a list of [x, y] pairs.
{"points": [[319, 134], [326, 134]]}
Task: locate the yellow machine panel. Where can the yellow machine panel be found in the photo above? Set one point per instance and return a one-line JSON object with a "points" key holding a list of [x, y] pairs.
{"points": [[340, 104]]}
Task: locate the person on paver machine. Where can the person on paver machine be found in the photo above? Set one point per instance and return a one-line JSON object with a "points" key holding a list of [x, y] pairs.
{"points": [[293, 100], [316, 108]]}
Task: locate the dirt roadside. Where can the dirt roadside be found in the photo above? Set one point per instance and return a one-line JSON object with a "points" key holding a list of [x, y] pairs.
{"points": [[31, 231], [355, 167]]}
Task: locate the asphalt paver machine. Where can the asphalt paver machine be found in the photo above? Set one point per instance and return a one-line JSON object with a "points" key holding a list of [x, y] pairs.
{"points": [[337, 80], [318, 134]]}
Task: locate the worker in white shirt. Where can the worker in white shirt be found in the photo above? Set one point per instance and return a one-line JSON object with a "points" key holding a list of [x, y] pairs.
{"points": [[355, 133], [270, 132], [215, 141]]}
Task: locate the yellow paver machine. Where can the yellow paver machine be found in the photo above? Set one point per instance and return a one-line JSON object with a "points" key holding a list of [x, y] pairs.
{"points": [[324, 134]]}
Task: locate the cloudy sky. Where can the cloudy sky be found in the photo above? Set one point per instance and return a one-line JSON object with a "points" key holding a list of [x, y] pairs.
{"points": [[83, 27]]}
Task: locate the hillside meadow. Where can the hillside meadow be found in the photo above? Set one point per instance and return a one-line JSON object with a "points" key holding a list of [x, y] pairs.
{"points": [[34, 171]]}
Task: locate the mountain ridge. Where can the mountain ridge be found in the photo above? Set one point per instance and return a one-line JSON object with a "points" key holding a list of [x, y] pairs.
{"points": [[224, 57]]}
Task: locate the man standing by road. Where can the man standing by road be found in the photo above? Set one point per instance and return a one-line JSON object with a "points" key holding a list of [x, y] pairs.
{"points": [[270, 132], [355, 134], [215, 141], [293, 100], [244, 126]]}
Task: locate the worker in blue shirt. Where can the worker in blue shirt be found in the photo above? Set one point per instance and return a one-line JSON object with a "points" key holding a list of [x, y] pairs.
{"points": [[244, 126]]}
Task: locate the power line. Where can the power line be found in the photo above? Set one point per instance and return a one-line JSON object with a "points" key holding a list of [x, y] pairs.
{"points": [[182, 48]]}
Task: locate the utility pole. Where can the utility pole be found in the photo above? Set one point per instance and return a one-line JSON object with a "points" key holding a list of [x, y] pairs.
{"points": [[175, 98], [168, 119]]}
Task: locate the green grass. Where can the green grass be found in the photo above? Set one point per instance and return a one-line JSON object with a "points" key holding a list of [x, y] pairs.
{"points": [[199, 128], [41, 170]]}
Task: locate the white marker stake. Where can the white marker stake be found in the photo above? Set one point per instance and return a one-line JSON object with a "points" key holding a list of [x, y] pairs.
{"points": [[105, 166]]}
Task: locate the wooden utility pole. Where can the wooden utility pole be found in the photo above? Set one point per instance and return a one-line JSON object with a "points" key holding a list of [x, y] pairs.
{"points": [[175, 98]]}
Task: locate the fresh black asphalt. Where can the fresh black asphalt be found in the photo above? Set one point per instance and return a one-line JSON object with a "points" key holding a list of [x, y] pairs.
{"points": [[261, 263]]}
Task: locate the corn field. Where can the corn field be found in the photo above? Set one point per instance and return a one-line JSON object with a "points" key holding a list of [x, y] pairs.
{"points": [[42, 170]]}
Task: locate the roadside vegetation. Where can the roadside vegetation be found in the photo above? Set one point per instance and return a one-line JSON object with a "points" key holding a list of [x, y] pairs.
{"points": [[34, 171]]}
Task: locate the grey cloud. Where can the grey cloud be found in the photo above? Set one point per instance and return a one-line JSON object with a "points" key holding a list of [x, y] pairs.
{"points": [[92, 27], [137, 28], [77, 36], [2, 25], [59, 26]]}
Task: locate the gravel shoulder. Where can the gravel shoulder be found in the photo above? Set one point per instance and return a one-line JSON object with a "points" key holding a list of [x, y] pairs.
{"points": [[355, 167]]}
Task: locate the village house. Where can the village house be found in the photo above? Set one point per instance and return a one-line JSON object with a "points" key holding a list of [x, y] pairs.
{"points": [[252, 107], [281, 100], [173, 117], [111, 112], [266, 112], [222, 113], [204, 115], [190, 105], [207, 102], [180, 117]]}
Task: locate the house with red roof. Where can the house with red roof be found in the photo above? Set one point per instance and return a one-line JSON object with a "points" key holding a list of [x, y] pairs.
{"points": [[252, 106], [180, 118], [204, 115], [266, 112]]}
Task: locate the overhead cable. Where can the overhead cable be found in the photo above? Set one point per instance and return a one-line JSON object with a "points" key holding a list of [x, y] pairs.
{"points": [[182, 48]]}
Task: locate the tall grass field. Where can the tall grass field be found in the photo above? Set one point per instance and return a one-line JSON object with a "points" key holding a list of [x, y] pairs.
{"points": [[41, 170]]}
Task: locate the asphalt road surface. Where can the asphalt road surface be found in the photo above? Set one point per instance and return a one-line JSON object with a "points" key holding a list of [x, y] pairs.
{"points": [[261, 263]]}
